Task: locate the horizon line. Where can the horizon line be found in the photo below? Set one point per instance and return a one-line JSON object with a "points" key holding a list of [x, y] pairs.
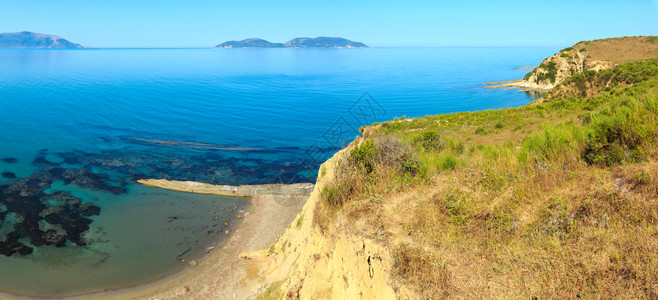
{"points": [[213, 47]]}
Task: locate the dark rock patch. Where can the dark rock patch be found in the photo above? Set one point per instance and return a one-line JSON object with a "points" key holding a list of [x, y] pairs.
{"points": [[64, 213], [10, 160], [8, 175]]}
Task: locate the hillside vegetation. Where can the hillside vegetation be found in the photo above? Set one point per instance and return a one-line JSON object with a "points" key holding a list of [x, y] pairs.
{"points": [[590, 56], [553, 200]]}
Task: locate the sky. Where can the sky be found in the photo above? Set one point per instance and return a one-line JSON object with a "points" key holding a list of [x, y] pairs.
{"points": [[410, 23]]}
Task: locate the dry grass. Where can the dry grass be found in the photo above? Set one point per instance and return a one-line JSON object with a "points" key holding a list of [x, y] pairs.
{"points": [[620, 50]]}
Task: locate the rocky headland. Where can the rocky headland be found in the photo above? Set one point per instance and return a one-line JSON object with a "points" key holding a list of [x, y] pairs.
{"points": [[34, 40]]}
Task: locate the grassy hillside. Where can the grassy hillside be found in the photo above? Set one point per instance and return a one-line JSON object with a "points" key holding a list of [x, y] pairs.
{"points": [[557, 199], [591, 56]]}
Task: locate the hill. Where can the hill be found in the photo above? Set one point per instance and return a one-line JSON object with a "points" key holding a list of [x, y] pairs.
{"points": [[323, 42], [586, 56], [250, 43], [591, 55], [28, 39], [319, 42]]}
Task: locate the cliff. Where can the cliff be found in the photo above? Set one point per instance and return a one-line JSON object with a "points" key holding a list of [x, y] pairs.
{"points": [[334, 261], [27, 39]]}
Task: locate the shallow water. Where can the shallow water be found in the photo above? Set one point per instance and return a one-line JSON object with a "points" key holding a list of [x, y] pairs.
{"points": [[135, 238], [88, 123]]}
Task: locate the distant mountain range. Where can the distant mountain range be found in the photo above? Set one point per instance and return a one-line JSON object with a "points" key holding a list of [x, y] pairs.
{"points": [[28, 39], [302, 42]]}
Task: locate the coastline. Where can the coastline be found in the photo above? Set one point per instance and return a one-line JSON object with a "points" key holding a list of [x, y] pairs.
{"points": [[520, 84], [222, 272]]}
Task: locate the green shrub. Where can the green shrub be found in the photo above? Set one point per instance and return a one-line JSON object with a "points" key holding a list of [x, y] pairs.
{"points": [[623, 134], [458, 207], [550, 72], [364, 155], [429, 140], [449, 163], [331, 194]]}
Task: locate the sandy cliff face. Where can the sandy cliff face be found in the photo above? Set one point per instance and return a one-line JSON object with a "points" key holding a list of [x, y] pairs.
{"points": [[309, 263], [562, 65]]}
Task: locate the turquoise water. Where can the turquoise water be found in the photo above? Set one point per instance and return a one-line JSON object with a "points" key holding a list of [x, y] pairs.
{"points": [[88, 123]]}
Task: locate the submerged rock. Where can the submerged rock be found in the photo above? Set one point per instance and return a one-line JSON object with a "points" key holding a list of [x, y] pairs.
{"points": [[8, 175], [10, 160], [45, 218]]}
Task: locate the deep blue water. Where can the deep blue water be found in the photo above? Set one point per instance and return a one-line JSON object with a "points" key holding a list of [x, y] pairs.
{"points": [[273, 100], [228, 116]]}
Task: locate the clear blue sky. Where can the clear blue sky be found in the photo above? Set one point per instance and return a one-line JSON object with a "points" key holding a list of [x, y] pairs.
{"points": [[204, 23]]}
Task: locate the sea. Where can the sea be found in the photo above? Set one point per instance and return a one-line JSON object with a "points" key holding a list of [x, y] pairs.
{"points": [[80, 127]]}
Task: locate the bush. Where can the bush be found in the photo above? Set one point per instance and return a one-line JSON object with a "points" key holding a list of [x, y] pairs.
{"points": [[429, 140], [364, 156], [622, 135], [449, 163], [550, 72]]}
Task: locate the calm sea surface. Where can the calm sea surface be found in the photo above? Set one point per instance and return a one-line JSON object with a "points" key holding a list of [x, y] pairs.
{"points": [[80, 126]]}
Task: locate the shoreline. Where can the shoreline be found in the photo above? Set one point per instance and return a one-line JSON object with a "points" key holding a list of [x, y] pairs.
{"points": [[519, 84], [225, 271]]}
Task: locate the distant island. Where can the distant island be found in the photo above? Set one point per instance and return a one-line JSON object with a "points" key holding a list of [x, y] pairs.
{"points": [[301, 42], [34, 40], [250, 43]]}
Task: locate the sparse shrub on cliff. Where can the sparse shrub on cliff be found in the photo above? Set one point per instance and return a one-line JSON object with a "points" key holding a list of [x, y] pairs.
{"points": [[550, 72], [592, 83], [364, 156]]}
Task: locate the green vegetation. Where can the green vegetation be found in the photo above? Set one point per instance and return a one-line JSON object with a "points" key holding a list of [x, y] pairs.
{"points": [[550, 72], [272, 292], [591, 82], [527, 76], [566, 55], [553, 200]]}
